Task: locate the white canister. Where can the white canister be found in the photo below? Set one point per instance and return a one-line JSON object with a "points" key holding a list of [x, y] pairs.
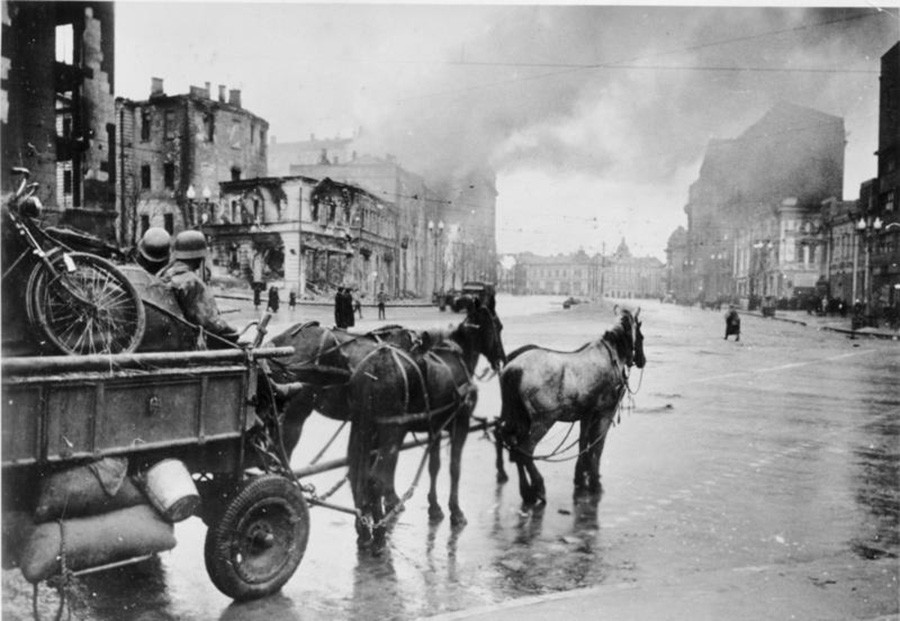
{"points": [[171, 490]]}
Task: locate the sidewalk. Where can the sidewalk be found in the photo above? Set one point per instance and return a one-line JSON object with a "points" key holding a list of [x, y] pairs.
{"points": [[839, 588], [829, 323]]}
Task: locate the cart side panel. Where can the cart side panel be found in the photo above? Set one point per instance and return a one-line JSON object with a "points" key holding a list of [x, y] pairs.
{"points": [[21, 415], [70, 424], [222, 411], [77, 415]]}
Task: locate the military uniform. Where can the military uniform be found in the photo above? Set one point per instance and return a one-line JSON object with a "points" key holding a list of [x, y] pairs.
{"points": [[196, 301]]}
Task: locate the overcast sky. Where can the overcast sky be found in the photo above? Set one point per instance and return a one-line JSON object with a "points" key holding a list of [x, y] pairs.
{"points": [[596, 118]]}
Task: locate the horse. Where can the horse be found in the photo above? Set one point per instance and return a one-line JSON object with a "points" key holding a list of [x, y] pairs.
{"points": [[427, 390], [314, 377], [540, 387]]}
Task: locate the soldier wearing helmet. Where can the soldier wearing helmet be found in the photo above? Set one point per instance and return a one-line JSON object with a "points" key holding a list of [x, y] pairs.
{"points": [[183, 277], [153, 249]]}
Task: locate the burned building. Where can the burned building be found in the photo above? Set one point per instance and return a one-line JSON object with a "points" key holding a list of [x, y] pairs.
{"points": [[304, 234], [58, 109], [754, 214], [175, 151]]}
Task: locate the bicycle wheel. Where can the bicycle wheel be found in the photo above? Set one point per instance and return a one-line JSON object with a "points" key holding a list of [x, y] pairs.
{"points": [[85, 305]]}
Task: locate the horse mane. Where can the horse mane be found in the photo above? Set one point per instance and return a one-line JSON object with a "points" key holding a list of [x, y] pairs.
{"points": [[619, 336]]}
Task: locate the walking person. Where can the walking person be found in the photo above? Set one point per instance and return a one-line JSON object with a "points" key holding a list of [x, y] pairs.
{"points": [[347, 306], [292, 299], [357, 305], [732, 323], [274, 300], [382, 298], [339, 308]]}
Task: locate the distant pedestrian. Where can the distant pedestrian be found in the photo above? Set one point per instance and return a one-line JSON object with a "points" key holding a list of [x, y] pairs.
{"points": [[382, 298], [339, 321], [257, 295], [357, 305], [292, 299], [732, 323], [347, 306], [274, 300]]}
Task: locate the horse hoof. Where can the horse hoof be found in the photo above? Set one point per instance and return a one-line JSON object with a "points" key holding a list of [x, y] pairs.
{"points": [[458, 519], [502, 477], [435, 514]]}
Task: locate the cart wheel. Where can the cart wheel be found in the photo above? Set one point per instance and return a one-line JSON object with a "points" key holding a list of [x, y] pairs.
{"points": [[87, 307], [259, 541]]}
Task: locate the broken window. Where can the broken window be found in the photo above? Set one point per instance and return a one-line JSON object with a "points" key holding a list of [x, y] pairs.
{"points": [[169, 223], [209, 125], [169, 175], [145, 125], [145, 176], [170, 124], [145, 224], [235, 173], [65, 44]]}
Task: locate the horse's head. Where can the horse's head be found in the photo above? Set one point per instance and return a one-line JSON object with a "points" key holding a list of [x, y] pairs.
{"points": [[481, 333], [632, 339]]}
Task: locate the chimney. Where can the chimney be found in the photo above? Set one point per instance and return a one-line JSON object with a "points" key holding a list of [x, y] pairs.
{"points": [[156, 87], [207, 90], [221, 93], [234, 97]]}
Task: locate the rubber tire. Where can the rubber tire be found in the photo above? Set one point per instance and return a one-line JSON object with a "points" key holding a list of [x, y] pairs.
{"points": [[270, 504], [37, 286]]}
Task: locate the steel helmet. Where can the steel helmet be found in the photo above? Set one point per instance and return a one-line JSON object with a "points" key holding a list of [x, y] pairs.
{"points": [[154, 245], [190, 245]]}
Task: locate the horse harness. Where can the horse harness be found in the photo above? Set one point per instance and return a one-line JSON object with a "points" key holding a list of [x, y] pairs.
{"points": [[462, 395]]}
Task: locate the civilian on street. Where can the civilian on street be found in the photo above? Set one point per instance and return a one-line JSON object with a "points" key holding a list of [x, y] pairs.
{"points": [[274, 300], [732, 323], [382, 298]]}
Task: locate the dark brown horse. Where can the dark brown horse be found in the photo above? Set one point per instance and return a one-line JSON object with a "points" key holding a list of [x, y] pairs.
{"points": [[540, 387], [393, 392], [315, 376]]}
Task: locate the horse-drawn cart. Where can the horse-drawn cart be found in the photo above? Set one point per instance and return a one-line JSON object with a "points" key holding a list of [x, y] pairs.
{"points": [[200, 408]]}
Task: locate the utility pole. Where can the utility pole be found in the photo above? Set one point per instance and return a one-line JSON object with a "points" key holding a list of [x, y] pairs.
{"points": [[602, 268]]}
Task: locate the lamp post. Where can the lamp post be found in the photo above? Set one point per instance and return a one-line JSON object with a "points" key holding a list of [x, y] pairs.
{"points": [[868, 228], [190, 194], [436, 231]]}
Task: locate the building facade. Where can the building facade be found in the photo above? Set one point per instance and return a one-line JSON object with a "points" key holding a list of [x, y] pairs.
{"points": [[175, 151], [303, 234], [58, 113], [885, 243], [754, 214]]}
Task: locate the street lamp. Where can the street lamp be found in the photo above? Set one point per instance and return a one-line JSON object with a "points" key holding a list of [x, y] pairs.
{"points": [[190, 194], [868, 228], [436, 232]]}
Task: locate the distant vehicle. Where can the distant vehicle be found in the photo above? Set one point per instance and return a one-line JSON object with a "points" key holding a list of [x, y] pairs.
{"points": [[476, 289], [448, 298], [570, 302]]}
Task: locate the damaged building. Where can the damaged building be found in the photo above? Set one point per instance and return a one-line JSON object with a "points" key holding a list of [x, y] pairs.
{"points": [[305, 234], [176, 149], [58, 108]]}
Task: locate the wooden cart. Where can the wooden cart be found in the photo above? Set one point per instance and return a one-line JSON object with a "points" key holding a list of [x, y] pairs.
{"points": [[199, 407]]}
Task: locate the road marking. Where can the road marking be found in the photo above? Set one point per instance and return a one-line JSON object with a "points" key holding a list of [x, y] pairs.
{"points": [[781, 367]]}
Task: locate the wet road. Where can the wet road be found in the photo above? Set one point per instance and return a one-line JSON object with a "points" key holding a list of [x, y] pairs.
{"points": [[780, 449]]}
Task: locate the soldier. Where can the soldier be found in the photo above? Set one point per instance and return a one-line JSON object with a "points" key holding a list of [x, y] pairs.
{"points": [[153, 250], [197, 304]]}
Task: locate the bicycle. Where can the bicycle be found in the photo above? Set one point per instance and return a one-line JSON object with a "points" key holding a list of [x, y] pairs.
{"points": [[77, 302]]}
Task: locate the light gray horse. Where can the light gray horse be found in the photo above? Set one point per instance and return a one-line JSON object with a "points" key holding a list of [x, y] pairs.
{"points": [[541, 386]]}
